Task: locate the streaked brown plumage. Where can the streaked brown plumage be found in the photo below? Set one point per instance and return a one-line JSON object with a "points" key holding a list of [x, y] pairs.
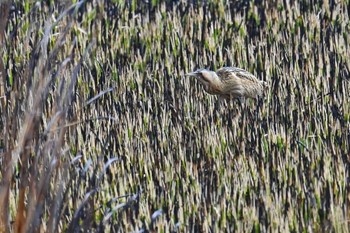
{"points": [[230, 82]]}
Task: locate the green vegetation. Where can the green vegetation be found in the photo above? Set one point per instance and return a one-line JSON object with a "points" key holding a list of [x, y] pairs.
{"points": [[104, 133]]}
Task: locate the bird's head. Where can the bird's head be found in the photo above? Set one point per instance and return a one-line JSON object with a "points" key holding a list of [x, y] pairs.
{"points": [[204, 76]]}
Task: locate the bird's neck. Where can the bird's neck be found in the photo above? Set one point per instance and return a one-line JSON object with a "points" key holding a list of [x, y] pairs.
{"points": [[215, 81], [214, 86]]}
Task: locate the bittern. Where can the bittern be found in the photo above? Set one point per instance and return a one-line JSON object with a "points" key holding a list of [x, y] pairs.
{"points": [[230, 82]]}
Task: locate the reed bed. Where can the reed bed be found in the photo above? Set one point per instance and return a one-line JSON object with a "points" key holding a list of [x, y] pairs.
{"points": [[104, 133]]}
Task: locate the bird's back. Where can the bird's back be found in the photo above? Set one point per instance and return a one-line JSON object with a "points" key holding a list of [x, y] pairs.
{"points": [[229, 73], [239, 82]]}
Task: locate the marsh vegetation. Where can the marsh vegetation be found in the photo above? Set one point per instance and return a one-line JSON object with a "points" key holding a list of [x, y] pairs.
{"points": [[102, 131]]}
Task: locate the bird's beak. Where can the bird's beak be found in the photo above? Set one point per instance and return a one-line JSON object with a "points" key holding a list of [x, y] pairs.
{"points": [[193, 74]]}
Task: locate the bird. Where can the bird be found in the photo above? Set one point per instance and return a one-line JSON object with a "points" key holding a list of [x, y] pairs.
{"points": [[230, 82]]}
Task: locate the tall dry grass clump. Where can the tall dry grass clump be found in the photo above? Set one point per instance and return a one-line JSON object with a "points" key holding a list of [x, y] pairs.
{"points": [[41, 175]]}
